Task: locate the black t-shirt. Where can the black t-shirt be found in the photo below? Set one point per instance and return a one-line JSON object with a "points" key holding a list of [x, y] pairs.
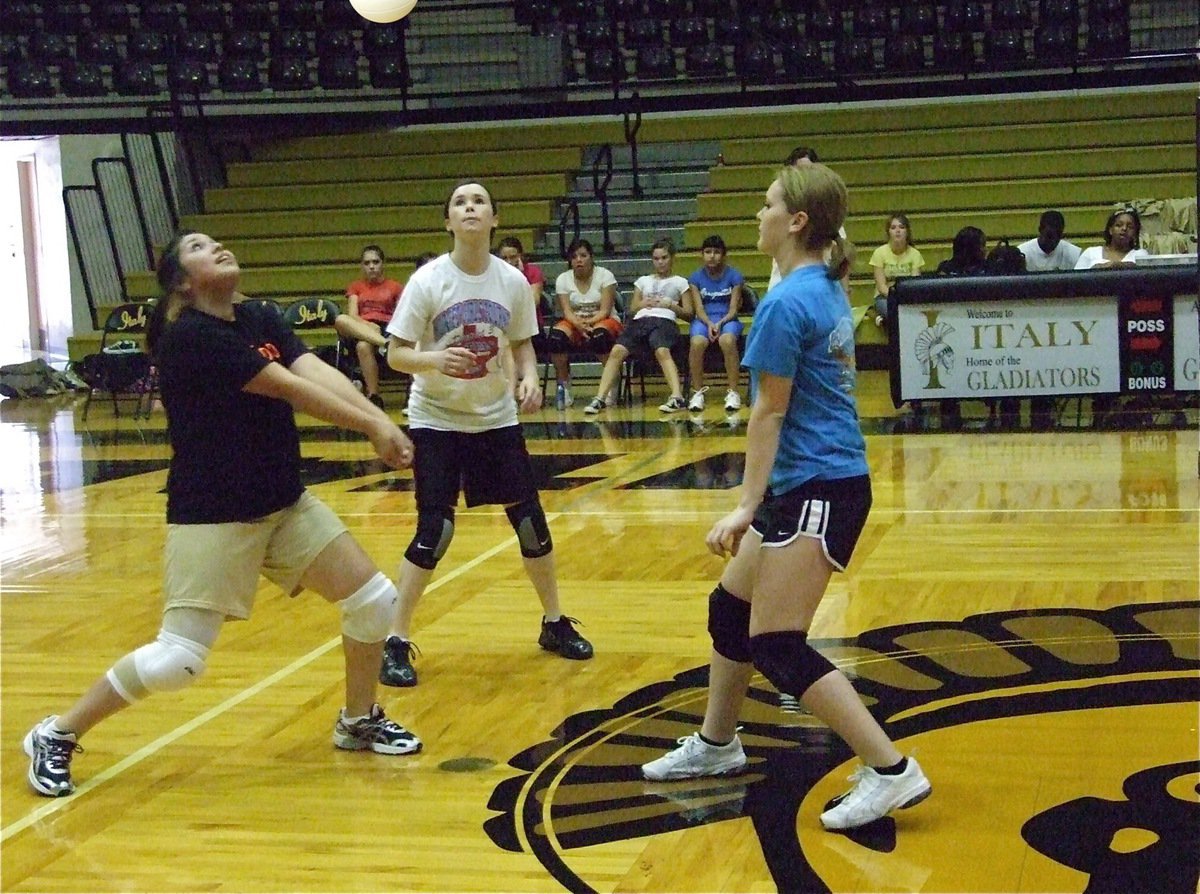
{"points": [[236, 455]]}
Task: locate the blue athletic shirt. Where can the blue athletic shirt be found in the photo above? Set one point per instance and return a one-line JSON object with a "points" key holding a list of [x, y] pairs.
{"points": [[716, 293], [802, 331]]}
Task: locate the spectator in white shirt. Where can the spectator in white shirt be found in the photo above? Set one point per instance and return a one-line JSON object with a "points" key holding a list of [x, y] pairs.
{"points": [[1049, 251]]}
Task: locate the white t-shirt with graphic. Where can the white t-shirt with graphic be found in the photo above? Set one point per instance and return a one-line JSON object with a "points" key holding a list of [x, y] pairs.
{"points": [[444, 307], [584, 301], [670, 288]]}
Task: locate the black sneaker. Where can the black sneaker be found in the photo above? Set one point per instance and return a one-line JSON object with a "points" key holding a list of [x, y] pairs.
{"points": [[374, 733], [560, 637], [50, 753], [397, 668]]}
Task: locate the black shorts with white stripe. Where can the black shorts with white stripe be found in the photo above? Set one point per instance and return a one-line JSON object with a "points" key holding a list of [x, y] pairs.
{"points": [[833, 511]]}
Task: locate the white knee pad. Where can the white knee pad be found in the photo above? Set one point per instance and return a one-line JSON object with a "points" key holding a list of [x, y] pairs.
{"points": [[368, 613], [165, 665]]}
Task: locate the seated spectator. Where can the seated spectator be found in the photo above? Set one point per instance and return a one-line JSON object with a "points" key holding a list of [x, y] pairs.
{"points": [[1122, 243], [513, 252], [1006, 259], [1049, 251], [716, 294], [899, 257], [371, 301], [968, 258], [968, 255], [587, 301], [659, 299]]}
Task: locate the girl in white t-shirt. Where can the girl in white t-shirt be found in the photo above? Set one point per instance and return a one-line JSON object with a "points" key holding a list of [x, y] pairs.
{"points": [[460, 316], [1122, 241], [587, 303], [659, 299]]}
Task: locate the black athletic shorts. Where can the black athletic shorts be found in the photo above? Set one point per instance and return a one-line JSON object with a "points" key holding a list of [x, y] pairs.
{"points": [[832, 511], [489, 467], [657, 332]]}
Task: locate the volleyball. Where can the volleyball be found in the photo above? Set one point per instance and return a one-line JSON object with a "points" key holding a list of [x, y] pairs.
{"points": [[383, 11]]}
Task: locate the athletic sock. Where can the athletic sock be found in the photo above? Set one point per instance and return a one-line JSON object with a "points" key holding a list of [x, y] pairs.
{"points": [[894, 770], [707, 741]]}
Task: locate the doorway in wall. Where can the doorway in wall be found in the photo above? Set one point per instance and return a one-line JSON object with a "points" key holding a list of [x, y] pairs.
{"points": [[35, 299]]}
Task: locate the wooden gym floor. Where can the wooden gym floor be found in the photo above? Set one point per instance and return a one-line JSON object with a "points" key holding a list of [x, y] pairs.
{"points": [[1022, 613]]}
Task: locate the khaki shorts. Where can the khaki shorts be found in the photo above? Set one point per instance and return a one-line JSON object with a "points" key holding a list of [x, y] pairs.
{"points": [[216, 567]]}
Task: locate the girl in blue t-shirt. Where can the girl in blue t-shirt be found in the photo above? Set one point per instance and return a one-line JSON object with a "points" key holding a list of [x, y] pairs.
{"points": [[805, 499], [716, 298]]}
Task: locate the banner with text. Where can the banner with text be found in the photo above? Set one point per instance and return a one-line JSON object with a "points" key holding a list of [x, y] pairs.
{"points": [[1187, 344], [1008, 348]]}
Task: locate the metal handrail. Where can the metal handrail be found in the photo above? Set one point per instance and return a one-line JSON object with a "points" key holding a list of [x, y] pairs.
{"points": [[571, 211], [601, 189], [631, 139]]}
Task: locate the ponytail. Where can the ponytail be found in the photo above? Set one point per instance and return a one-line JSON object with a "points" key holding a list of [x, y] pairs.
{"points": [[841, 257], [170, 275]]}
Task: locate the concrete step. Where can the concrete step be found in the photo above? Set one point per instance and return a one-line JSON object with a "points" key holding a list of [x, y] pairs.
{"points": [[662, 211], [652, 181], [695, 154]]}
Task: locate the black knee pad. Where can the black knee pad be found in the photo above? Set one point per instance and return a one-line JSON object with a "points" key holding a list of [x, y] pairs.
{"points": [[729, 625], [788, 661], [435, 530], [533, 534], [600, 341], [558, 341]]}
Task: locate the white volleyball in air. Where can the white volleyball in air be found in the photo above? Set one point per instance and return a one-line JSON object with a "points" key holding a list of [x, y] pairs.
{"points": [[383, 11]]}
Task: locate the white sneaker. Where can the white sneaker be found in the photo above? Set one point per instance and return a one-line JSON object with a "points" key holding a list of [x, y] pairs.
{"points": [[568, 400], [696, 404], [733, 402], [874, 796], [595, 405], [695, 758]]}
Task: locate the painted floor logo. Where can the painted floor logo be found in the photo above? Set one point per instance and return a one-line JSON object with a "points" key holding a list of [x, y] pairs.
{"points": [[1061, 744]]}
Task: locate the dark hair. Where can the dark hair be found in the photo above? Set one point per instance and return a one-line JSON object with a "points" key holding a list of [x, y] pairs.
{"points": [[1137, 226], [903, 218], [577, 244], [714, 241], [1052, 219], [970, 246], [511, 242], [374, 248], [424, 258], [170, 275], [1005, 259], [665, 244], [460, 185], [801, 152]]}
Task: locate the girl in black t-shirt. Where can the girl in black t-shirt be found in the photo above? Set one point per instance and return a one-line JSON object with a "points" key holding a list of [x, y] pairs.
{"points": [[232, 374]]}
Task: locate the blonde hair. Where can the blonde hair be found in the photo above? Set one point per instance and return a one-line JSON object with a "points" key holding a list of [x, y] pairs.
{"points": [[822, 195]]}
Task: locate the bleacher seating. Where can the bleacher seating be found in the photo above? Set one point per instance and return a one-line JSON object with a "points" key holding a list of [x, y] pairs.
{"points": [[313, 42]]}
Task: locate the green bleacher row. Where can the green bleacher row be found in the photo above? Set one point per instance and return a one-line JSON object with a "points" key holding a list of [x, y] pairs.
{"points": [[767, 135], [428, 194], [994, 164]]}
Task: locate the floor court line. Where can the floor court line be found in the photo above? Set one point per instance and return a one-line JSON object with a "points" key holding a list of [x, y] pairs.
{"points": [[126, 763]]}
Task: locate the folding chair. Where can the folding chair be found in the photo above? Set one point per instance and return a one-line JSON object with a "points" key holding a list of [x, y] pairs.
{"points": [[122, 368]]}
